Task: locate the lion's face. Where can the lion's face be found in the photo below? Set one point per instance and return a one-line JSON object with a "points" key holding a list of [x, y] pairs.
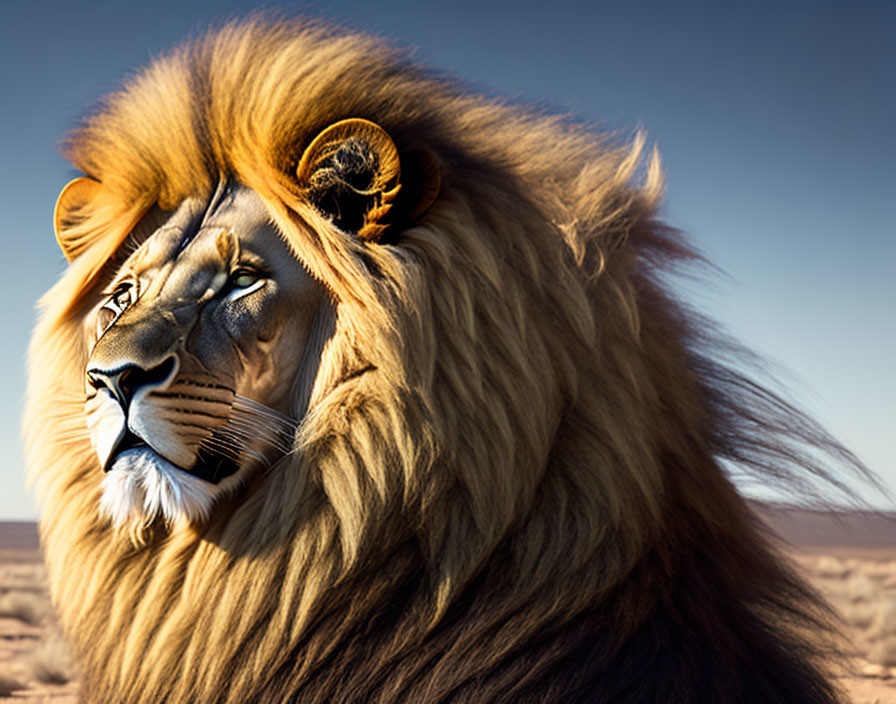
{"points": [[201, 351]]}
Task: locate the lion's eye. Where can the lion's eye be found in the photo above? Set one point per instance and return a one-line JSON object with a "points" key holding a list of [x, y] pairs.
{"points": [[120, 299], [123, 295], [244, 278]]}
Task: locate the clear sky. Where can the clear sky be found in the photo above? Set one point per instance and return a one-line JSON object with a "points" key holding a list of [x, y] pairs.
{"points": [[775, 122]]}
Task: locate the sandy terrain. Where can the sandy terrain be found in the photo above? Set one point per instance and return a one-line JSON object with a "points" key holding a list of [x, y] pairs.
{"points": [[34, 665], [850, 558]]}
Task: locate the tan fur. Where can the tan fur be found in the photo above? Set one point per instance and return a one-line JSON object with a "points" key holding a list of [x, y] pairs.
{"points": [[539, 413]]}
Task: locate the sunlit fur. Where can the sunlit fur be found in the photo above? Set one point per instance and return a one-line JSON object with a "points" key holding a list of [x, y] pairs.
{"points": [[148, 488], [520, 500]]}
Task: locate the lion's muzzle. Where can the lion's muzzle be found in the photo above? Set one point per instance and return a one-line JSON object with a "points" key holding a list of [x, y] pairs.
{"points": [[117, 422]]}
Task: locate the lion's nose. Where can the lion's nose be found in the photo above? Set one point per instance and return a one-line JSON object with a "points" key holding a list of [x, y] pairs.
{"points": [[123, 381]]}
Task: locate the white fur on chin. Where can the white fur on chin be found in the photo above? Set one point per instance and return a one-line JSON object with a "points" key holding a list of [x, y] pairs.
{"points": [[143, 486]]}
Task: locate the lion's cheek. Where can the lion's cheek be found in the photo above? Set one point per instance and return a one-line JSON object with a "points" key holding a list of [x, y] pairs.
{"points": [[261, 377], [158, 426], [273, 353]]}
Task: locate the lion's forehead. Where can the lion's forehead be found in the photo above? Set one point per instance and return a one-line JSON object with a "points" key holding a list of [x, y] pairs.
{"points": [[198, 226]]}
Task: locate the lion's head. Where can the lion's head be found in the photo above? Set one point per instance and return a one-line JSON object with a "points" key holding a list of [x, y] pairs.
{"points": [[201, 354], [362, 388]]}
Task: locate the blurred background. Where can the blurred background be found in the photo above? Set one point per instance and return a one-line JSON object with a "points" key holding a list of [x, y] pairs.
{"points": [[775, 122]]}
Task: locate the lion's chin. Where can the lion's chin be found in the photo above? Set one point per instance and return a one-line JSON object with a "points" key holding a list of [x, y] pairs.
{"points": [[143, 488]]}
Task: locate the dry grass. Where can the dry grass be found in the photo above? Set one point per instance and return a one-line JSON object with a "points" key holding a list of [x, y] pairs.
{"points": [[9, 682], [27, 577], [830, 567], [51, 663], [860, 588], [864, 591], [860, 616], [23, 592], [883, 625], [29, 607], [883, 652]]}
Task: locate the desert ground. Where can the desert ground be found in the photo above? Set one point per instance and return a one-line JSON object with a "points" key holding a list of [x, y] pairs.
{"points": [[850, 557]]}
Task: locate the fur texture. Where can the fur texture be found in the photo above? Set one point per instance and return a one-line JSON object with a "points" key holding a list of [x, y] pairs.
{"points": [[524, 497]]}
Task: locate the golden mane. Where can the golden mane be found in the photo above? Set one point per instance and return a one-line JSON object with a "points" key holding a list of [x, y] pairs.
{"points": [[524, 502]]}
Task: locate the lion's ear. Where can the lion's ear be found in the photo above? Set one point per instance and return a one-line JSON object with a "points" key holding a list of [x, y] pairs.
{"points": [[72, 209], [353, 174]]}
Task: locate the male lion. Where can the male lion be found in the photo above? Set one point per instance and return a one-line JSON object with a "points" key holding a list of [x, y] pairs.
{"points": [[361, 388]]}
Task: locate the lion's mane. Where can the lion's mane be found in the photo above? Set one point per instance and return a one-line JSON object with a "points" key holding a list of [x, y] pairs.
{"points": [[524, 499]]}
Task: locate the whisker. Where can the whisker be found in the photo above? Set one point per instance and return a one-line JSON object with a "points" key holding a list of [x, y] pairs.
{"points": [[251, 431], [265, 416], [251, 406], [220, 447], [227, 440], [280, 441], [234, 445], [249, 425]]}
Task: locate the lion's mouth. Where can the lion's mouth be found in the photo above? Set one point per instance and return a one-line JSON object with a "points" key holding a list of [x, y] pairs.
{"points": [[210, 466], [128, 441]]}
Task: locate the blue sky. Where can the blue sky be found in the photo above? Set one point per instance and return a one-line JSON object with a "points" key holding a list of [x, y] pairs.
{"points": [[775, 122]]}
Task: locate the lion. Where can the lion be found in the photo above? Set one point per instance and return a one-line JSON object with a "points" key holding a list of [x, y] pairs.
{"points": [[361, 387]]}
